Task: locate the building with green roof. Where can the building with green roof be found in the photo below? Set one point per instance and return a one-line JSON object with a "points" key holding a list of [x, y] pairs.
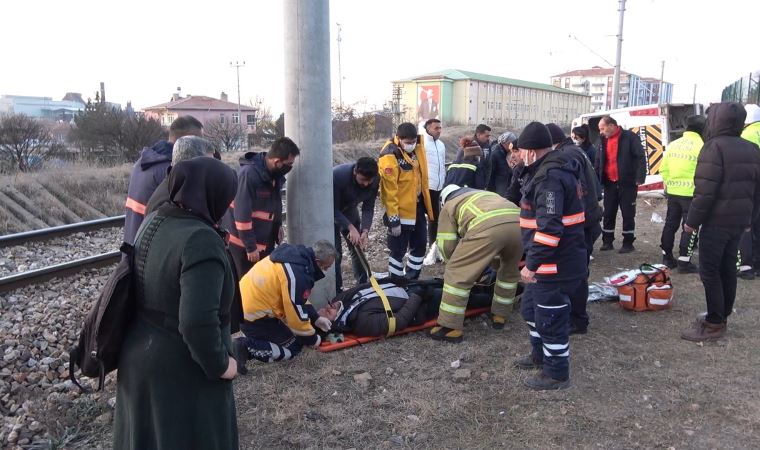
{"points": [[460, 97]]}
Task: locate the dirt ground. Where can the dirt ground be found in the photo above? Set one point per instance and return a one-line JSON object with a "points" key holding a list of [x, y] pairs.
{"points": [[635, 384]]}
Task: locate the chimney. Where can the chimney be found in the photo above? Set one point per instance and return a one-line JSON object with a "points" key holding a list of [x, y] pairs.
{"points": [[175, 96], [223, 97], [102, 92]]}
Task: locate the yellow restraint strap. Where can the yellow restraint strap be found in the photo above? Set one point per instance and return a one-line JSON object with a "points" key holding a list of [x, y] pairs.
{"points": [[386, 305]]}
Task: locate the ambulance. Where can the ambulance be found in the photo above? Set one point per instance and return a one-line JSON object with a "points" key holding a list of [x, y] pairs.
{"points": [[656, 126]]}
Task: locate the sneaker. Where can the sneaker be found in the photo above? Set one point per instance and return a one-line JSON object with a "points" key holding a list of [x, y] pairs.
{"points": [[446, 334], [748, 275], [528, 363], [703, 330], [606, 246], [543, 382], [498, 322], [669, 261], [626, 248], [687, 267], [240, 353]]}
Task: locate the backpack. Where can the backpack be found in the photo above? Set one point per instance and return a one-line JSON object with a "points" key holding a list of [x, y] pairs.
{"points": [[110, 317]]}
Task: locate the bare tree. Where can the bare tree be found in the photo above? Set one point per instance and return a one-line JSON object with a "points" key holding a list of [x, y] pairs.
{"points": [[25, 141], [227, 136], [139, 132]]}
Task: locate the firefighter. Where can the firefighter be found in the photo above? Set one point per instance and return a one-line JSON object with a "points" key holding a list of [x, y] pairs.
{"points": [[255, 217], [551, 219], [278, 318], [406, 198], [677, 169], [474, 228]]}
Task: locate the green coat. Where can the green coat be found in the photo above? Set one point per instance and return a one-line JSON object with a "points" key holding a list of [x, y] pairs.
{"points": [[169, 394]]}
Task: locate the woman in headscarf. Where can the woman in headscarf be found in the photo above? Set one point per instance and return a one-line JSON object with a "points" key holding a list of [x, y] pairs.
{"points": [[174, 387]]}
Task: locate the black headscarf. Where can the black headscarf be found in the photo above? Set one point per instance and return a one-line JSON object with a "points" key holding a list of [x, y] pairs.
{"points": [[203, 186]]}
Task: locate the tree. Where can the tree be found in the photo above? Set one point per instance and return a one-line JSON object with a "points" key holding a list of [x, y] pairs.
{"points": [[227, 136], [25, 141], [139, 132]]}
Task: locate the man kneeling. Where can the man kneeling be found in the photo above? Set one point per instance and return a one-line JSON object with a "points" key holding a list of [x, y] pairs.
{"points": [[278, 319]]}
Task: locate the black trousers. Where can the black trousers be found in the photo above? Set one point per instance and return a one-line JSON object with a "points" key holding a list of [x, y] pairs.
{"points": [[414, 238], [749, 247], [623, 196], [359, 274], [717, 269], [435, 199], [579, 297], [678, 209]]}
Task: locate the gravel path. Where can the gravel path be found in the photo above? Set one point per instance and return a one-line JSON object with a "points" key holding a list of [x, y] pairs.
{"points": [[37, 255]]}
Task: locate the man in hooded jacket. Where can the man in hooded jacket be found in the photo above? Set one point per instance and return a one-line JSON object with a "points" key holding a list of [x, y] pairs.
{"points": [[725, 204]]}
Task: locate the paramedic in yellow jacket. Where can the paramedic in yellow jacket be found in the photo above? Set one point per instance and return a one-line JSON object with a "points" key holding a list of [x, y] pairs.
{"points": [[474, 228], [406, 198], [278, 319]]}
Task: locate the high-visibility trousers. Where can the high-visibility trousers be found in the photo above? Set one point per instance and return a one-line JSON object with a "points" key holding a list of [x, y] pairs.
{"points": [[474, 253]]}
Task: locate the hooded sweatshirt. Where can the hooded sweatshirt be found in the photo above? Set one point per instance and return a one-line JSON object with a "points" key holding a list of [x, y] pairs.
{"points": [[279, 286], [727, 178], [147, 173]]}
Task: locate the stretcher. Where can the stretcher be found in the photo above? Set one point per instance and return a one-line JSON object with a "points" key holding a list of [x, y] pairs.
{"points": [[350, 340]]}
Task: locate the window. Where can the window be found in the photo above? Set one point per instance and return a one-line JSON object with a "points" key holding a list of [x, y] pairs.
{"points": [[221, 118], [251, 119], [567, 83], [235, 118]]}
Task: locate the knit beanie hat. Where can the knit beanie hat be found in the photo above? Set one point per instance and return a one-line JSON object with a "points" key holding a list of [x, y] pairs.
{"points": [[557, 134], [535, 136]]}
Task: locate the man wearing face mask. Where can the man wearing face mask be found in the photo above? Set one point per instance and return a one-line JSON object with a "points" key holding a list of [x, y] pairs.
{"points": [[279, 320], [406, 198], [551, 218], [257, 209]]}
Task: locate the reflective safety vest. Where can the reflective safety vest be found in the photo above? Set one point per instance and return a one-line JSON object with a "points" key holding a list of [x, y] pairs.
{"points": [[752, 133], [679, 164], [468, 211]]}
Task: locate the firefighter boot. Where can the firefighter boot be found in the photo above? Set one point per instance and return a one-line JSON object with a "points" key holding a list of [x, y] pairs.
{"points": [[498, 322], [446, 334], [543, 382]]}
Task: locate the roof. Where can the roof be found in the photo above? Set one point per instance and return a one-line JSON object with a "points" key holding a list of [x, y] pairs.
{"points": [[456, 75], [201, 102], [595, 71]]}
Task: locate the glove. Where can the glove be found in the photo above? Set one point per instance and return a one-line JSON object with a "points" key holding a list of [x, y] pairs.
{"points": [[395, 231], [323, 324]]}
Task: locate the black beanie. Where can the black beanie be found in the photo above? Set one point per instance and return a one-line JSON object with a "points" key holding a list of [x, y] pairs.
{"points": [[535, 136], [406, 131], [695, 124], [556, 132]]}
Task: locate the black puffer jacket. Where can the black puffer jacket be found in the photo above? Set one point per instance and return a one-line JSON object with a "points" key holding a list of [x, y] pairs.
{"points": [[727, 180], [631, 160]]}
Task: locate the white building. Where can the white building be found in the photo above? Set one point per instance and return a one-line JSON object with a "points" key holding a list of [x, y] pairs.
{"points": [[597, 82]]}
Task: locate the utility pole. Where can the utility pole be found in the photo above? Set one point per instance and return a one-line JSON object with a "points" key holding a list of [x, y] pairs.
{"points": [[662, 77], [308, 123], [616, 80], [340, 72], [237, 66], [694, 97]]}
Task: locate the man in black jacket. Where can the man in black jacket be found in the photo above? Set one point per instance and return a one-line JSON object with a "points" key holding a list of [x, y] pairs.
{"points": [[726, 200], [623, 167], [354, 184], [501, 171]]}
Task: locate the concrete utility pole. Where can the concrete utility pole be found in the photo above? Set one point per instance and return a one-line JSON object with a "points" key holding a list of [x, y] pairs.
{"points": [[616, 80], [694, 96], [662, 77], [237, 67], [340, 72], [308, 123]]}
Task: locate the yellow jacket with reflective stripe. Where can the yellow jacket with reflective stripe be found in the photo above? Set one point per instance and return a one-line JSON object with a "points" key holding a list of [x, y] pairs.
{"points": [[679, 164], [752, 133], [473, 210], [402, 178]]}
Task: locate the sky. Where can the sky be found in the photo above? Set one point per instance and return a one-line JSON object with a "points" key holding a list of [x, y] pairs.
{"points": [[144, 50]]}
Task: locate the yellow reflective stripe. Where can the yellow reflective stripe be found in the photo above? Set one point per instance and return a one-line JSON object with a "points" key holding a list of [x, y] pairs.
{"points": [[386, 306], [447, 236], [452, 309], [494, 213], [505, 285], [466, 205], [503, 300], [456, 291], [463, 166]]}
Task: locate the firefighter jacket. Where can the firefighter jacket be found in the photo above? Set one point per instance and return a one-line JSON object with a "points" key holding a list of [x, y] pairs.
{"points": [[552, 218], [679, 164], [257, 209], [473, 172], [279, 287], [470, 209], [403, 178], [590, 185], [752, 133], [148, 172]]}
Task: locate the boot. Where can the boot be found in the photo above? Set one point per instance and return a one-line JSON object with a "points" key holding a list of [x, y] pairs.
{"points": [[704, 331], [446, 334], [498, 322], [412, 274], [627, 247], [543, 382], [577, 329], [528, 363], [669, 260], [606, 246], [748, 275], [687, 267], [240, 353]]}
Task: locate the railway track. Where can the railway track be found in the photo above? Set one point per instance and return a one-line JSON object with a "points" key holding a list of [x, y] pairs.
{"points": [[17, 280]]}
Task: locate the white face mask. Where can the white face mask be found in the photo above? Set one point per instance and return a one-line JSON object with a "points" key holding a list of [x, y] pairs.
{"points": [[409, 148], [577, 141]]}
